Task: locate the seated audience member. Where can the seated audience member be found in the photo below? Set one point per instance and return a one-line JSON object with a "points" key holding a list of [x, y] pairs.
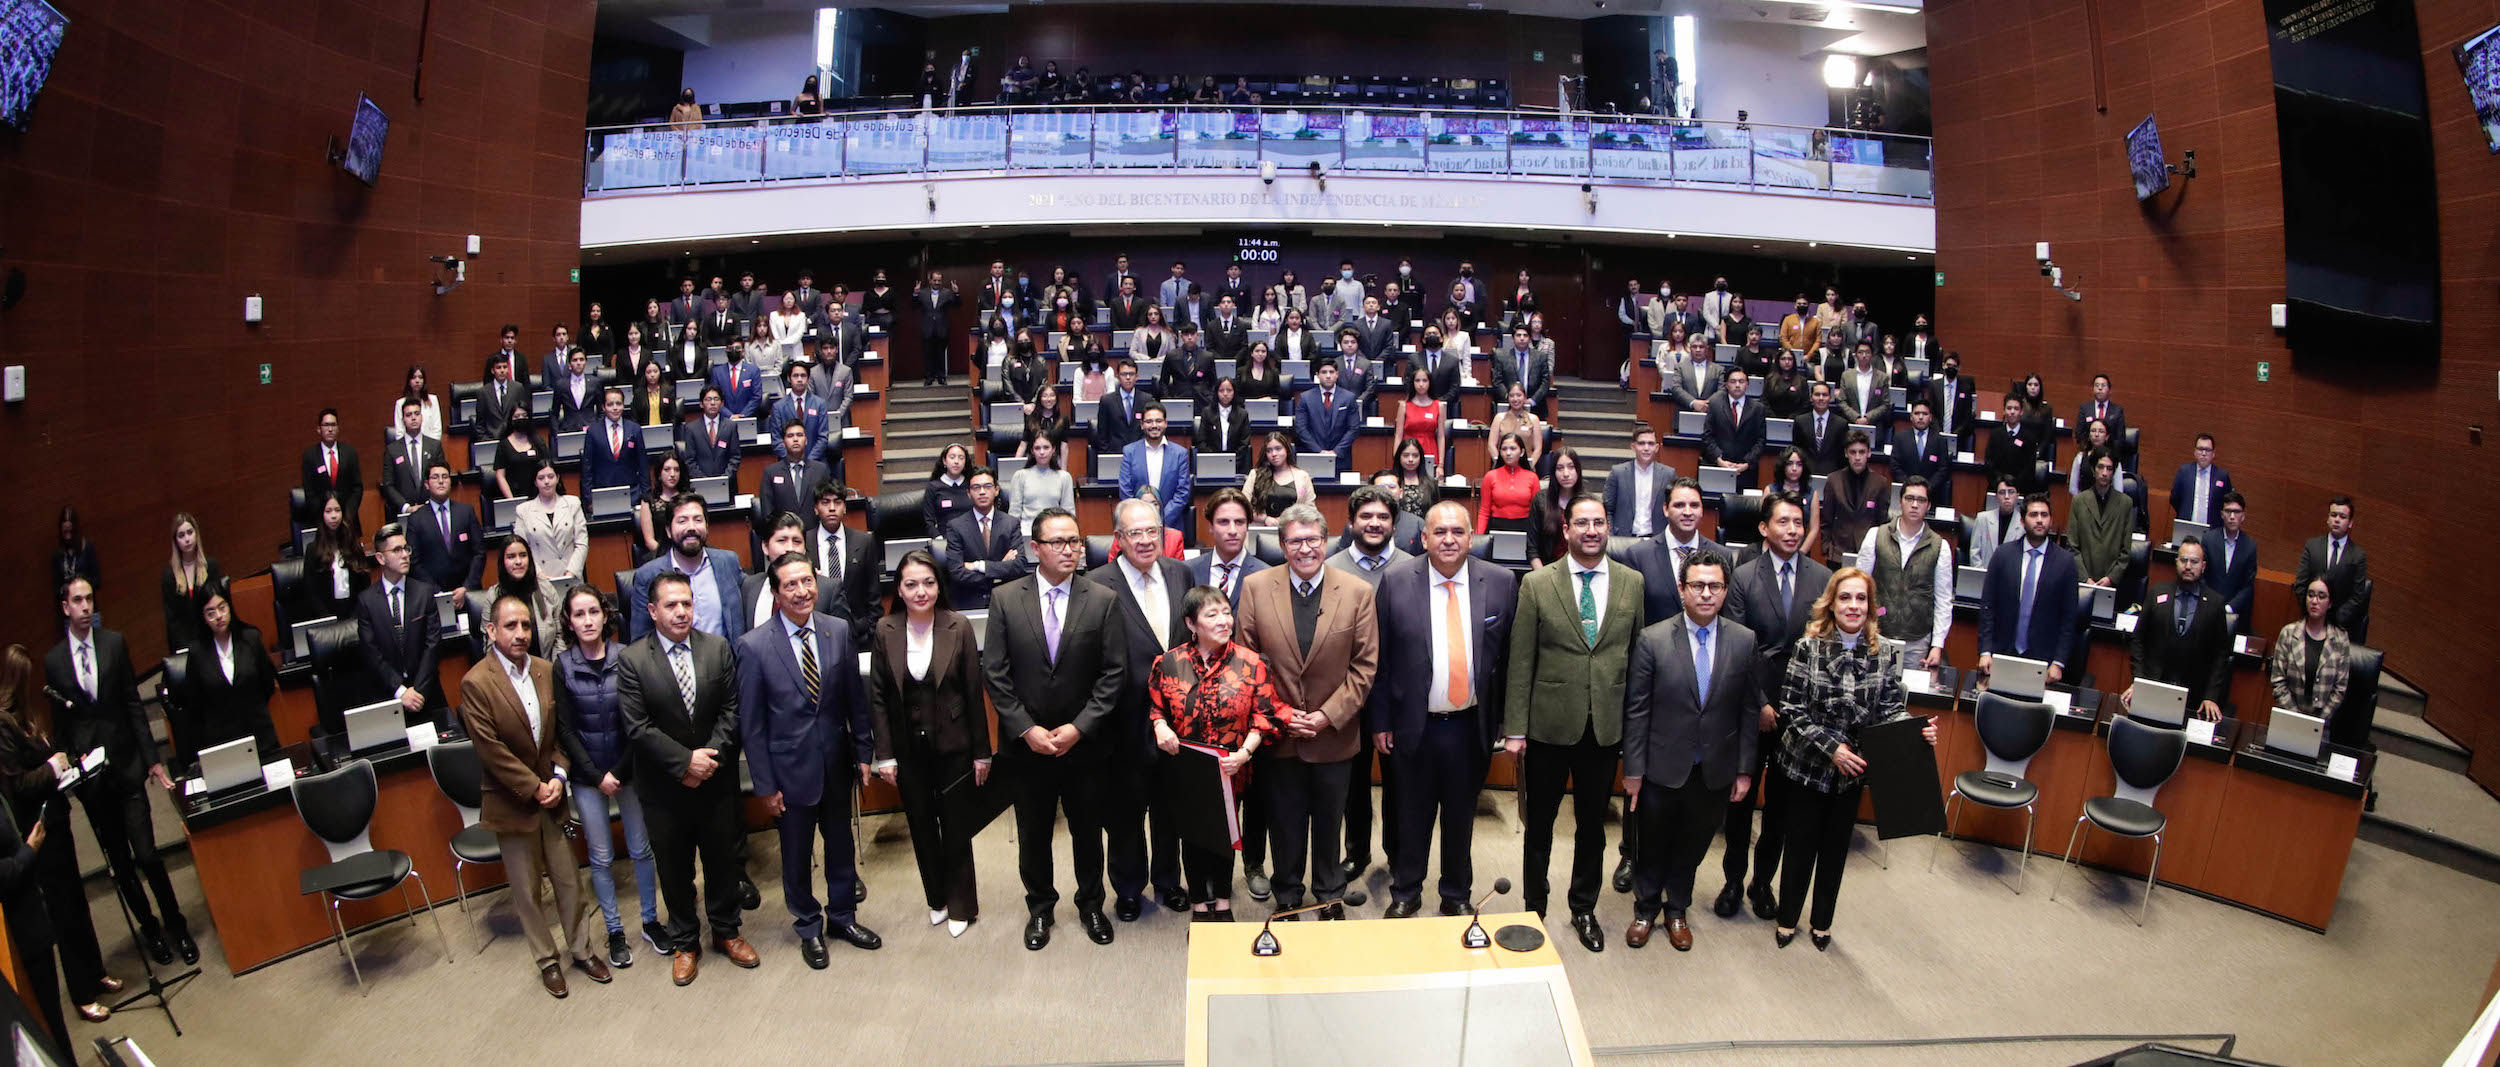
{"points": [[1999, 521], [400, 648], [612, 452], [577, 394], [1507, 491], [1856, 498], [2183, 638], [1278, 482], [554, 526], [2028, 606], [2310, 663], [1821, 432], [2100, 523], [2016, 447], [984, 545], [1732, 435], [1041, 484], [1516, 417], [517, 453], [189, 572], [2231, 561], [403, 477], [1923, 452], [2333, 557], [1326, 418], [415, 390]]}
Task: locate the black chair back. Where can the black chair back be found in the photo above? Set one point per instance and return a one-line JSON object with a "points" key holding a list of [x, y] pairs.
{"points": [[2144, 756], [2359, 631], [297, 506], [340, 680], [897, 514], [2013, 730], [1481, 547], [1099, 549], [1740, 519], [286, 590], [2350, 725], [457, 772], [1267, 549], [1619, 549], [177, 671], [337, 806]]}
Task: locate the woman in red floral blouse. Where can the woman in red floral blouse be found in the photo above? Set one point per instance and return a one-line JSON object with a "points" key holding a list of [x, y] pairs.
{"points": [[1211, 693]]}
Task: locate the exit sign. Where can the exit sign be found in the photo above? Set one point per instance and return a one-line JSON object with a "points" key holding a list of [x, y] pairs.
{"points": [[1537, 56], [264, 374], [577, 276], [1939, 279]]}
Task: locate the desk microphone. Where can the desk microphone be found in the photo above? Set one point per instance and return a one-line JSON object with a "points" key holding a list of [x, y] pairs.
{"points": [[1266, 944], [1474, 937]]}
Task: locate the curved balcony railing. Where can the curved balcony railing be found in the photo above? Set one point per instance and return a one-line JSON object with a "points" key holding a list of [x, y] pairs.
{"points": [[1583, 147]]}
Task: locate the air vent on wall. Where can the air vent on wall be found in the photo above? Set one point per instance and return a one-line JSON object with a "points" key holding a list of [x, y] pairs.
{"points": [[1810, 14]]}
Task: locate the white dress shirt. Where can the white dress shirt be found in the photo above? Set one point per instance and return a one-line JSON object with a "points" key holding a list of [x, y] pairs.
{"points": [[1153, 597], [1640, 499], [1154, 470], [1438, 695], [1597, 589], [519, 675], [1942, 593], [225, 656]]}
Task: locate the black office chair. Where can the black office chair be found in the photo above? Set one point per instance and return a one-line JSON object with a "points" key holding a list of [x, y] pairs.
{"points": [[2349, 726], [296, 507], [337, 806], [624, 580], [461, 777], [2013, 731], [1099, 549], [2144, 758], [1004, 439], [1266, 549], [2359, 631], [897, 514], [286, 594], [1740, 519], [180, 721], [463, 406], [340, 680]]}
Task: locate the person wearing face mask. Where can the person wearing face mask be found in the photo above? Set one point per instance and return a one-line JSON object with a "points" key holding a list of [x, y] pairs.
{"points": [[1953, 398], [685, 116], [1347, 294], [1438, 366], [878, 303], [1798, 329], [1714, 306]]}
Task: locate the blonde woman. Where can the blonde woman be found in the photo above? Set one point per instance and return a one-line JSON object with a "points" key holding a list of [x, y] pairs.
{"points": [[188, 575]]}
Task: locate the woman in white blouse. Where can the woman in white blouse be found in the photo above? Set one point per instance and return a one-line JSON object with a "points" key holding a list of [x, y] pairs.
{"points": [[924, 699], [415, 390], [789, 326], [1270, 317], [553, 524], [764, 352], [1039, 485]]}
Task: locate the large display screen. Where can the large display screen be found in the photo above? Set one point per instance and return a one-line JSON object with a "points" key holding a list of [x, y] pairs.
{"points": [[2144, 159], [364, 141], [30, 32], [2479, 60]]}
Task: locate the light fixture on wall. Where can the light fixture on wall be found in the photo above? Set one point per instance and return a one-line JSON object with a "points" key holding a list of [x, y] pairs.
{"points": [[2054, 273], [1839, 71]]}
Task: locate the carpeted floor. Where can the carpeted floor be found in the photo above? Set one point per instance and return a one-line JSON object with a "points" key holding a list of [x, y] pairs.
{"points": [[1952, 953]]}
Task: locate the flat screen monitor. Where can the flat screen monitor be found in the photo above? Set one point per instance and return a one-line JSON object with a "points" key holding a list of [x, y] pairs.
{"points": [[2479, 60], [30, 32], [364, 141], [2144, 159]]}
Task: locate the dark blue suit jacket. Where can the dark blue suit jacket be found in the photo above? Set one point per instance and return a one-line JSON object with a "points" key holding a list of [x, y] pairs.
{"points": [[810, 411], [789, 740], [1202, 570], [742, 396], [601, 467], [2183, 495], [1172, 495], [1402, 687], [709, 457], [962, 537], [2053, 605], [1329, 429], [1115, 420], [2237, 583]]}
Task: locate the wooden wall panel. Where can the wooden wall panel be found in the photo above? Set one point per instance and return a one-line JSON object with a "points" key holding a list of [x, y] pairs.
{"points": [[176, 165], [2177, 296]]}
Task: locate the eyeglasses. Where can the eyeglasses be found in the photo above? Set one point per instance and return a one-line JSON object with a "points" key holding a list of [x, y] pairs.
{"points": [[1304, 541], [1061, 542], [1706, 588], [1588, 524]]}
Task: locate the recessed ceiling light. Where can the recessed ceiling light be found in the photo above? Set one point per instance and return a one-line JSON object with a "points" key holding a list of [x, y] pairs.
{"points": [[755, 240], [1814, 244]]}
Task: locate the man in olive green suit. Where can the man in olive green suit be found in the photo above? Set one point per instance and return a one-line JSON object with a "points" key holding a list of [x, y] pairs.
{"points": [[1570, 646], [2101, 522]]}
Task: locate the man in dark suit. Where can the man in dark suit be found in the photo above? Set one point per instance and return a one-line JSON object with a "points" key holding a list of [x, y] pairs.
{"points": [[1680, 311], [786, 534], [330, 465], [612, 449], [403, 477], [1771, 595], [2184, 638], [716, 601], [2103, 408], [2334, 557], [510, 337], [2196, 492], [998, 300], [1439, 364], [1732, 434], [1661, 559], [1150, 587], [1055, 683], [722, 327], [677, 692], [808, 736], [1636, 489], [1228, 559], [2015, 448], [984, 545], [1436, 704], [790, 485], [850, 561], [1189, 373], [2028, 608], [742, 392], [1956, 402], [747, 304], [703, 442], [2231, 561], [1236, 287], [94, 693], [800, 403], [1128, 309], [1690, 696], [684, 309], [1115, 417], [1377, 334], [1227, 333], [1324, 416], [498, 400], [845, 330], [812, 303], [1866, 393], [576, 399], [1922, 452], [447, 540], [396, 628], [1819, 432], [1564, 710], [1525, 364], [935, 300]]}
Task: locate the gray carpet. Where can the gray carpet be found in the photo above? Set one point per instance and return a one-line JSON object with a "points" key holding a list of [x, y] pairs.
{"points": [[1917, 955]]}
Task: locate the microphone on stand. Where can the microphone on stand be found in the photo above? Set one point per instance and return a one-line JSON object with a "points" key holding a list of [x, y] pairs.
{"points": [[1266, 944], [1475, 937]]}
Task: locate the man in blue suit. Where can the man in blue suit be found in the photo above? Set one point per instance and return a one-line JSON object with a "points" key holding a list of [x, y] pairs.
{"points": [[1324, 418], [1115, 417], [800, 404], [742, 392], [713, 572], [2028, 607], [612, 448], [2231, 561], [1157, 466], [1229, 559], [2196, 492], [804, 716]]}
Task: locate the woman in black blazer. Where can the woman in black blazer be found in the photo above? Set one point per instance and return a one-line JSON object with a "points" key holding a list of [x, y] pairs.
{"points": [[227, 683], [336, 567], [188, 574], [1226, 422], [924, 690], [57, 916]]}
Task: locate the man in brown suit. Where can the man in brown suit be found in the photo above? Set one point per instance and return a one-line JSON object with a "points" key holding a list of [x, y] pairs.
{"points": [[508, 706], [1316, 627]]}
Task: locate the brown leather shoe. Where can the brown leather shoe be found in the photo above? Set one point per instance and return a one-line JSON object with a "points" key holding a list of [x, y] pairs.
{"points": [[1679, 934], [681, 966], [737, 949], [1637, 935], [593, 966], [552, 977]]}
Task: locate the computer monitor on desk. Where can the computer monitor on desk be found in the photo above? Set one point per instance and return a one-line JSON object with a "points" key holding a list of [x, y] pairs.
{"points": [[1969, 582], [1691, 423], [610, 501], [1509, 546], [1719, 481], [298, 642], [1005, 467], [1261, 408], [1216, 465], [742, 428], [1777, 431], [569, 445], [1006, 416], [900, 547], [1297, 370], [2100, 602], [1178, 412], [1322, 465], [690, 390], [374, 726], [714, 490], [2181, 530], [1106, 466], [2294, 734], [2158, 703], [658, 439], [2014, 676], [229, 765]]}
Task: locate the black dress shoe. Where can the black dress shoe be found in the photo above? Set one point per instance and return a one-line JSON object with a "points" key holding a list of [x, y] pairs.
{"points": [[158, 950], [1452, 907], [812, 949], [748, 898], [189, 949], [1623, 875], [859, 891], [1128, 909], [1097, 925], [1731, 900], [1037, 933], [1783, 939], [1822, 942], [1591, 938], [1174, 900], [1763, 906], [1354, 869], [1403, 909], [855, 935]]}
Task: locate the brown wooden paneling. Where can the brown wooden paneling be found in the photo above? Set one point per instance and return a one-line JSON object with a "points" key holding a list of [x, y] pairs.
{"points": [[2177, 295]]}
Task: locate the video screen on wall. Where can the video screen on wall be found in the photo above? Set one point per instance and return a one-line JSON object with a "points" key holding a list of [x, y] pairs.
{"points": [[364, 141], [2144, 159], [2479, 60], [30, 32]]}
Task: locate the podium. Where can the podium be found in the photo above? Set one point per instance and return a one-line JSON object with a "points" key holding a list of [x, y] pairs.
{"points": [[1378, 991]]}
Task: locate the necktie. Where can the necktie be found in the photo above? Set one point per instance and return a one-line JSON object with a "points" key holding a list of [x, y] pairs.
{"points": [[415, 466], [984, 520], [1303, 588], [1701, 664], [2334, 554], [1225, 583], [1371, 563], [1456, 623], [807, 665], [442, 518], [1050, 623], [1921, 447], [2187, 613], [1159, 620], [1683, 555], [399, 616], [616, 435], [1327, 399], [1588, 606], [683, 665], [1787, 591], [330, 456], [2022, 623], [86, 669], [1819, 421], [711, 428], [833, 558]]}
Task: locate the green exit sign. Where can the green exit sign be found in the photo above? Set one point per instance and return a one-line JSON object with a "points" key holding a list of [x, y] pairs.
{"points": [[1537, 56], [264, 374], [1939, 279], [2265, 371], [577, 276]]}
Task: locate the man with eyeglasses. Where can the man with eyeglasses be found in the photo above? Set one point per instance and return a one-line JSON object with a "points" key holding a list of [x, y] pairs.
{"points": [[2231, 561], [1564, 710], [1056, 685], [1771, 595], [984, 547], [1687, 755], [1149, 587]]}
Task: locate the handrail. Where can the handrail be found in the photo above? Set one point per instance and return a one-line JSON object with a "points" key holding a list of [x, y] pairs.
{"points": [[1579, 146]]}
